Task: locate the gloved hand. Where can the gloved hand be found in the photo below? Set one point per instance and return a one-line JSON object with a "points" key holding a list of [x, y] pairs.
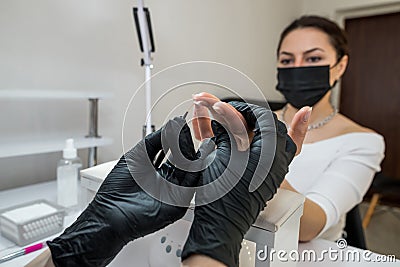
{"points": [[218, 227], [121, 211]]}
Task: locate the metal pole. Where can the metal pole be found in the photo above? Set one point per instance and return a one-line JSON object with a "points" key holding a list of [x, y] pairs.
{"points": [[93, 129], [148, 99], [146, 61]]}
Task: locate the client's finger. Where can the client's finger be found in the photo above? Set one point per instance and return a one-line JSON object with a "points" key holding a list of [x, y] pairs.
{"points": [[205, 99], [298, 128], [234, 121], [226, 112], [202, 122], [196, 128], [202, 126], [226, 115]]}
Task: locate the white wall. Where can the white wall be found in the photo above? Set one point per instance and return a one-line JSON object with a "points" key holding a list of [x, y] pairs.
{"points": [[331, 8], [92, 45]]}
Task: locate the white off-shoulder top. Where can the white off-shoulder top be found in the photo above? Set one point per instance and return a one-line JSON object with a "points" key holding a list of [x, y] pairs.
{"points": [[336, 173]]}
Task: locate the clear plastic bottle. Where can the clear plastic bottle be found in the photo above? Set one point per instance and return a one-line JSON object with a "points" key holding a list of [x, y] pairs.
{"points": [[68, 177]]}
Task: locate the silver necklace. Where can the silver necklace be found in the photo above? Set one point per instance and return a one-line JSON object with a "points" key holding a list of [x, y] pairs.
{"points": [[311, 126]]}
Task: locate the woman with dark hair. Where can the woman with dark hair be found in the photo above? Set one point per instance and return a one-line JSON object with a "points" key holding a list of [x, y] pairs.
{"points": [[339, 157]]}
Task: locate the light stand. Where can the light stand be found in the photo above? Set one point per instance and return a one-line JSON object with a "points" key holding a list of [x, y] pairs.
{"points": [[146, 42]]}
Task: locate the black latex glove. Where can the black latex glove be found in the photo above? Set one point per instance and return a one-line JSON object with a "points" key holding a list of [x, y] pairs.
{"points": [[121, 211], [218, 227]]}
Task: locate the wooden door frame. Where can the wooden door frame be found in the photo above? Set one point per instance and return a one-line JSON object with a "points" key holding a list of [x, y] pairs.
{"points": [[341, 15]]}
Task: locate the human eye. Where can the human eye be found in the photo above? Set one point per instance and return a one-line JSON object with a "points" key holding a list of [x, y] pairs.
{"points": [[285, 61], [313, 59]]}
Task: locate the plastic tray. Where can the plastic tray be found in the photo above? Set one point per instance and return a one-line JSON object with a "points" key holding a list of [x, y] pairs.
{"points": [[36, 226]]}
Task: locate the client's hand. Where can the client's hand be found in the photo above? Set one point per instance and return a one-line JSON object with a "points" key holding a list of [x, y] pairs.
{"points": [[222, 112], [235, 122], [121, 211], [219, 226]]}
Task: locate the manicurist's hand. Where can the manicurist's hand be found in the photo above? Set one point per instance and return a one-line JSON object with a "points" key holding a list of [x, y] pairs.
{"points": [[121, 211], [245, 179]]}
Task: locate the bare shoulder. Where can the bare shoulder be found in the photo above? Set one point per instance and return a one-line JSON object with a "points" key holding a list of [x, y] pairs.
{"points": [[349, 126]]}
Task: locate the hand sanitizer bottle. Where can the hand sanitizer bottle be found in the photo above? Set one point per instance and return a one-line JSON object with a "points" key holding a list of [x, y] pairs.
{"points": [[68, 177]]}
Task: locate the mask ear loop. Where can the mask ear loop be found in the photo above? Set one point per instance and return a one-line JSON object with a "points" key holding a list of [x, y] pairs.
{"points": [[334, 65], [337, 62]]}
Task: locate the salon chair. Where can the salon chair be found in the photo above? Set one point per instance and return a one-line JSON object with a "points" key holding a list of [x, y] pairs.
{"points": [[385, 190], [354, 232]]}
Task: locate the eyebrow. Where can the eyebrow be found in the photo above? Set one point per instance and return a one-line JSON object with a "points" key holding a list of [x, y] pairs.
{"points": [[306, 52], [314, 49]]}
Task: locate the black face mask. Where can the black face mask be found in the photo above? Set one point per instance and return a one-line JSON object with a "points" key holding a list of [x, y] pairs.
{"points": [[303, 86]]}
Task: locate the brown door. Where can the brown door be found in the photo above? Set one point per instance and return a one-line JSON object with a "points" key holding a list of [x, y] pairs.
{"points": [[370, 91]]}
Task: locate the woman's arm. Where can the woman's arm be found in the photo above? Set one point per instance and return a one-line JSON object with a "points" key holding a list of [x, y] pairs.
{"points": [[313, 219], [340, 186]]}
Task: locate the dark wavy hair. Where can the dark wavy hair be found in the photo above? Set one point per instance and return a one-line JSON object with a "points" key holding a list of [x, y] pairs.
{"points": [[337, 36]]}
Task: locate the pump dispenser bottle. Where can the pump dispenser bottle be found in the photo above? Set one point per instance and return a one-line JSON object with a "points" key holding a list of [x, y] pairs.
{"points": [[68, 177]]}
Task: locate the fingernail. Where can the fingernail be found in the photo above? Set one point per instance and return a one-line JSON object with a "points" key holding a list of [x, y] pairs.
{"points": [[200, 103], [218, 109], [307, 115], [195, 97]]}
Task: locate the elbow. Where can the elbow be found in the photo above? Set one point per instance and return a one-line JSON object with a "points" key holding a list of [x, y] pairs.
{"points": [[312, 222], [304, 239], [306, 236]]}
